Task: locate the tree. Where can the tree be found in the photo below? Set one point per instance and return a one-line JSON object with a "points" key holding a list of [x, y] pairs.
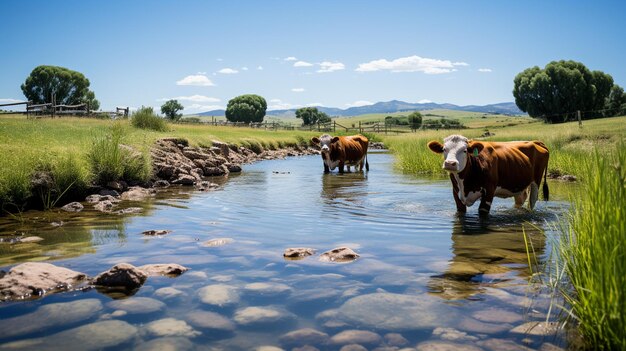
{"points": [[616, 102], [560, 89], [69, 87], [311, 115], [170, 109], [246, 108], [415, 120]]}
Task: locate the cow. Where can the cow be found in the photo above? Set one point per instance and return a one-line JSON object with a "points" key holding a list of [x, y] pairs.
{"points": [[482, 170], [343, 151]]}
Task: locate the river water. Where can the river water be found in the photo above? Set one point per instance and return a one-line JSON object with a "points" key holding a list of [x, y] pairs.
{"points": [[426, 277]]}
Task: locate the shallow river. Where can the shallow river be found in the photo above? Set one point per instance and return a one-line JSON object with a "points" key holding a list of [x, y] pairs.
{"points": [[426, 278]]}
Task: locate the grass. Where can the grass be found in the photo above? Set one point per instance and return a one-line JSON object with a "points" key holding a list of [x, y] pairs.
{"points": [[593, 252], [145, 118]]}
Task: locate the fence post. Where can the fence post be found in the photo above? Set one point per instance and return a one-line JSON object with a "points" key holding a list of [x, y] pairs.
{"points": [[360, 129], [580, 122]]}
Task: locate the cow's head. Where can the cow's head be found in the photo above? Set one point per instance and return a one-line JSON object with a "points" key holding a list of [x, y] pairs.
{"points": [[324, 142], [455, 149]]}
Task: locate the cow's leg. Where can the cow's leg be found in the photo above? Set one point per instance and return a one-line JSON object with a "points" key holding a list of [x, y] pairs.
{"points": [[460, 207], [326, 169], [486, 200], [520, 198], [534, 195], [341, 166]]}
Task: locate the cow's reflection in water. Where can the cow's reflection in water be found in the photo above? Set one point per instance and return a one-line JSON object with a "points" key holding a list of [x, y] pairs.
{"points": [[347, 190], [487, 254]]}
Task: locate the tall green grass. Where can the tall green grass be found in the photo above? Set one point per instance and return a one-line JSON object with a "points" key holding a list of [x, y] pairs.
{"points": [[145, 118], [593, 251]]}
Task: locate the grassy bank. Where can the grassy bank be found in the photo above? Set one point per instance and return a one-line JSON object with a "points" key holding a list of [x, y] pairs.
{"points": [[593, 251], [66, 147], [569, 144]]}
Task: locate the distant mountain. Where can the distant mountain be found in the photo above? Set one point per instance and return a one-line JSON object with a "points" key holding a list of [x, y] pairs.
{"points": [[508, 108]]}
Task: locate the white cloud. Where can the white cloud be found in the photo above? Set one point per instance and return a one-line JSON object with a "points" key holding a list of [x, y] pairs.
{"points": [[291, 58], [244, 68], [228, 71], [328, 66], [260, 68], [315, 104], [297, 90], [411, 64], [302, 64], [203, 73], [192, 98], [202, 108], [485, 70], [197, 79], [278, 104], [360, 103], [424, 101]]}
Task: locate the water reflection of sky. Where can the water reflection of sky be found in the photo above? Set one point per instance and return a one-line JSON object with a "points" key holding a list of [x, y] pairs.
{"points": [[419, 259]]}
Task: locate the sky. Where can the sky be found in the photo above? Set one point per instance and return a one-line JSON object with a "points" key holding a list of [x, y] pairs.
{"points": [[305, 53]]}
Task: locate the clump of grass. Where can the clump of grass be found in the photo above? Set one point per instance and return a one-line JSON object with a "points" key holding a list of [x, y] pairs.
{"points": [[145, 118], [110, 161], [15, 189], [593, 249], [253, 145]]}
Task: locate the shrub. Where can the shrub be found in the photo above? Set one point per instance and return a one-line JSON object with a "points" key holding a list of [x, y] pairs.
{"points": [[145, 118]]}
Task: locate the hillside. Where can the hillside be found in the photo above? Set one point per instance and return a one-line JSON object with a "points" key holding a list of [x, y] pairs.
{"points": [[505, 108]]}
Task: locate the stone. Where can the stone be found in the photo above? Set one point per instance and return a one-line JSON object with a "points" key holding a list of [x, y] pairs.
{"points": [[353, 347], [73, 207], [104, 206], [109, 192], [137, 193], [306, 336], [445, 346], [218, 242], [220, 295], [475, 326], [94, 336], [170, 327], [233, 168], [122, 275], [540, 328], [297, 253], [166, 344], [185, 179], [213, 171], [452, 334], [168, 293], [116, 185], [501, 345], [254, 316], [356, 337], [340, 254], [35, 279], [395, 339], [129, 210], [161, 183], [497, 315], [49, 316], [267, 289], [156, 232], [31, 239], [137, 305], [210, 321], [396, 312], [170, 269], [93, 198]]}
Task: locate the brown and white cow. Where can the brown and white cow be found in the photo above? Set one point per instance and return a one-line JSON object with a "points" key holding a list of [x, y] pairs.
{"points": [[343, 151], [482, 170]]}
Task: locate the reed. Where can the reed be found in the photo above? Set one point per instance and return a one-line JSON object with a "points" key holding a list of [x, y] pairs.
{"points": [[593, 251]]}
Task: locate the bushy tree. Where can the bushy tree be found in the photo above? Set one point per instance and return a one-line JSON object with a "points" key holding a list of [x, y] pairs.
{"points": [[561, 89], [170, 109], [69, 87], [415, 120], [246, 108], [615, 102], [311, 115]]}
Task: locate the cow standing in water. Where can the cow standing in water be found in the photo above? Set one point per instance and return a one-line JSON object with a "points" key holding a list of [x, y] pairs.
{"points": [[482, 170], [343, 151]]}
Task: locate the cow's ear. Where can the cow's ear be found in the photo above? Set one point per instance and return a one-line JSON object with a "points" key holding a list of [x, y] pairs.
{"points": [[435, 147], [334, 140], [315, 140], [475, 148]]}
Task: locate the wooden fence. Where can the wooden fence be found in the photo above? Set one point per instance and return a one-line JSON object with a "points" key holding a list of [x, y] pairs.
{"points": [[54, 110]]}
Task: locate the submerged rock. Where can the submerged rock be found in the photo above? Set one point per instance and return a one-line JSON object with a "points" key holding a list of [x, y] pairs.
{"points": [[306, 336], [137, 305], [255, 316], [340, 254], [220, 295], [53, 315], [137, 193], [297, 253], [218, 242], [360, 337], [166, 344], [122, 275], [156, 232], [35, 279], [170, 327], [210, 321], [540, 328], [170, 269], [94, 336]]}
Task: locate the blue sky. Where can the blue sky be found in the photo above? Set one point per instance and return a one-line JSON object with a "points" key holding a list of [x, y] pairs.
{"points": [[297, 53]]}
